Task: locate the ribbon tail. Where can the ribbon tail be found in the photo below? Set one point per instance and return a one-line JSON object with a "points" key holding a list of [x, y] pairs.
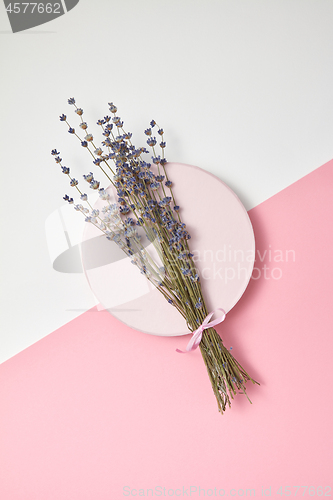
{"points": [[193, 343]]}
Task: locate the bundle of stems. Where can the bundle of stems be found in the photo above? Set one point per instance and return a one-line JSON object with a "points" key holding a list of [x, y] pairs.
{"points": [[146, 204]]}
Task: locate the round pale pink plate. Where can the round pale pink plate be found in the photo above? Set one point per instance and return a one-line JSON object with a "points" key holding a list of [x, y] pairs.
{"points": [[222, 243]]}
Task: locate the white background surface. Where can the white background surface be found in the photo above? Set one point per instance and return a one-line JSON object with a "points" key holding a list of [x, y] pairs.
{"points": [[242, 88]]}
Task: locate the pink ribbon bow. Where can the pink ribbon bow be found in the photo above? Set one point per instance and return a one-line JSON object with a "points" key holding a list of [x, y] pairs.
{"points": [[197, 334]]}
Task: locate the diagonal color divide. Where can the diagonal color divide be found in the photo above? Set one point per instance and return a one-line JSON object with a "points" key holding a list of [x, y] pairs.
{"points": [[109, 410], [25, 15]]}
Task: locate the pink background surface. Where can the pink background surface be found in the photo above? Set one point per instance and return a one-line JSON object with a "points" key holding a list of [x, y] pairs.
{"points": [[97, 406]]}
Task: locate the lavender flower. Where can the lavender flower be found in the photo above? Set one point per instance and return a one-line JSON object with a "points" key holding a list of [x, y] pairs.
{"points": [[88, 177]]}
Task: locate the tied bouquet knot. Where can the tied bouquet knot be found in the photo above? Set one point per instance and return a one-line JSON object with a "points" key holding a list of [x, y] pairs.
{"points": [[197, 334], [139, 205]]}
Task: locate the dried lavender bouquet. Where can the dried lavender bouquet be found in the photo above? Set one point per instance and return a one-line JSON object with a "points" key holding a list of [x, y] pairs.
{"points": [[146, 204]]}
